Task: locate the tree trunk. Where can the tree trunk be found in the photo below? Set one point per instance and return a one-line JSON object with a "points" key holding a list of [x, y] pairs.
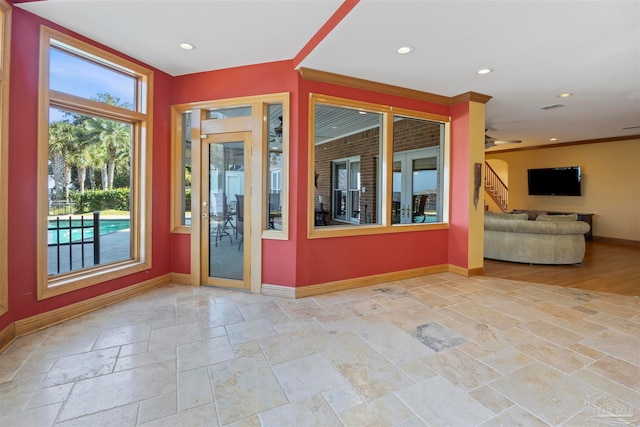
{"points": [[112, 165], [92, 177], [82, 176], [58, 169], [112, 169], [105, 177], [67, 181]]}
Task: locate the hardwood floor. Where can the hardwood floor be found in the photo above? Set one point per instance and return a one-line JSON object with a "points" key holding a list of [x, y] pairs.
{"points": [[607, 267]]}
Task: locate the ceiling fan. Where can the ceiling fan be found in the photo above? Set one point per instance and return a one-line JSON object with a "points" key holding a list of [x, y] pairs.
{"points": [[490, 141]]}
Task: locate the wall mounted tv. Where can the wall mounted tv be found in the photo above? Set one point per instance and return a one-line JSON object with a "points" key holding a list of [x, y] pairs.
{"points": [[555, 181]]}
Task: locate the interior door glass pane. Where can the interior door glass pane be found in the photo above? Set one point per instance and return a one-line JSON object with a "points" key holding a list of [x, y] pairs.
{"points": [[186, 167], [274, 167], [227, 113], [226, 221]]}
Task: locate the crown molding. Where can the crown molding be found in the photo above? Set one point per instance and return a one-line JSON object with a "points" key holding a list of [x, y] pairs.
{"points": [[566, 144], [354, 82], [470, 97]]}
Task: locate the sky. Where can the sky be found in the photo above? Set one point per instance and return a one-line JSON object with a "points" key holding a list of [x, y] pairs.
{"points": [[77, 76]]}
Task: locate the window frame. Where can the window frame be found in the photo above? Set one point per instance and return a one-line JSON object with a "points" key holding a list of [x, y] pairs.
{"points": [[5, 46], [347, 161], [385, 170], [141, 161]]}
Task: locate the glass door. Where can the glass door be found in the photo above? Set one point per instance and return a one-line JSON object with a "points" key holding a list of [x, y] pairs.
{"points": [[225, 242], [415, 186]]}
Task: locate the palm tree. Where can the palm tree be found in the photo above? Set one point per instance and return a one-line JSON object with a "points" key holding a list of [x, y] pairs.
{"points": [[114, 138], [63, 141]]}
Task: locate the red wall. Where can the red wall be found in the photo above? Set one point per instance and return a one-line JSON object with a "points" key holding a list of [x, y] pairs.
{"points": [[296, 262], [300, 261], [249, 80], [330, 259], [23, 115]]}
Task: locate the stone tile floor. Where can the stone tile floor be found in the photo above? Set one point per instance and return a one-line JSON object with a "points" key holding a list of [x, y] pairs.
{"points": [[440, 350]]}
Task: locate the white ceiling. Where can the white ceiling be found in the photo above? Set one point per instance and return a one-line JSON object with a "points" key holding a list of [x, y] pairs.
{"points": [[537, 49]]}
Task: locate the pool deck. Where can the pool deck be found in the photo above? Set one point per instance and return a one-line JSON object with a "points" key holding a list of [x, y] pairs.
{"points": [[113, 247]]}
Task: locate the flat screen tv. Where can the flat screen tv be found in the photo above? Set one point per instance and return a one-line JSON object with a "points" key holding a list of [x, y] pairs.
{"points": [[554, 181]]}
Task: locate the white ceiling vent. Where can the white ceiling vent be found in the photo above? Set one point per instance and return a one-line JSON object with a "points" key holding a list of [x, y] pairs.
{"points": [[552, 106]]}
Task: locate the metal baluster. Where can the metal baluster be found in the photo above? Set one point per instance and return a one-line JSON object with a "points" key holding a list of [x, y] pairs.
{"points": [[70, 247], [58, 240], [96, 237], [82, 238]]}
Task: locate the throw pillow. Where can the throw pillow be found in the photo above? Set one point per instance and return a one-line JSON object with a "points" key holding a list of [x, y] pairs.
{"points": [[558, 218], [509, 216], [531, 214]]}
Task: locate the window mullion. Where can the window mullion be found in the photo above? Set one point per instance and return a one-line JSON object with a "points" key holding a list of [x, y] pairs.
{"points": [[95, 108]]}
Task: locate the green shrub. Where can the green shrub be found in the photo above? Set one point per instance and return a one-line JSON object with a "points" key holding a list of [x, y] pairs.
{"points": [[187, 199], [100, 200]]}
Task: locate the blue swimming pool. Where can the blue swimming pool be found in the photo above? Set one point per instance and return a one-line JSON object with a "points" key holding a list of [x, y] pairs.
{"points": [[107, 226]]}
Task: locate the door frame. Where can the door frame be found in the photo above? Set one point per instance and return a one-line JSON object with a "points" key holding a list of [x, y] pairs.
{"points": [[205, 238], [260, 128], [201, 129]]}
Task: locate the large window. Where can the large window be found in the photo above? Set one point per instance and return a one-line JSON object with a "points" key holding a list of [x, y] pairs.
{"points": [[5, 42], [376, 168], [94, 166], [347, 146]]}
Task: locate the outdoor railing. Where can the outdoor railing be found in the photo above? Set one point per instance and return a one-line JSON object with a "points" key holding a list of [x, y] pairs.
{"points": [[68, 228], [61, 207]]}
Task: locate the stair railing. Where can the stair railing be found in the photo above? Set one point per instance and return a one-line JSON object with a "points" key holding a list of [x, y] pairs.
{"points": [[495, 188]]}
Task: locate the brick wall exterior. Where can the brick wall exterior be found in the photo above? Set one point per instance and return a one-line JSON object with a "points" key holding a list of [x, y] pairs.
{"points": [[409, 134]]}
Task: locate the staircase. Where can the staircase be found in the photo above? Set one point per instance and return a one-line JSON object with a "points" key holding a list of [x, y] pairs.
{"points": [[495, 188]]}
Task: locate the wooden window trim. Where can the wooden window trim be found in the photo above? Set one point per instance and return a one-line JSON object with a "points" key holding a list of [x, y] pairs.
{"points": [[385, 227], [141, 171], [5, 37]]}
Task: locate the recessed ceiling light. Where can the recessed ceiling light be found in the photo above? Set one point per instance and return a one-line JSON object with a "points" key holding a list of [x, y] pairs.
{"points": [[404, 50], [553, 139], [187, 46], [565, 95], [484, 71]]}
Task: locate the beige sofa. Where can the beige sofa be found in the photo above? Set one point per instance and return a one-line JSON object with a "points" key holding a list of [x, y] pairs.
{"points": [[550, 239]]}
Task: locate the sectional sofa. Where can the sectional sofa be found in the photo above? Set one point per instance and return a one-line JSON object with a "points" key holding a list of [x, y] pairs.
{"points": [[547, 239]]}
